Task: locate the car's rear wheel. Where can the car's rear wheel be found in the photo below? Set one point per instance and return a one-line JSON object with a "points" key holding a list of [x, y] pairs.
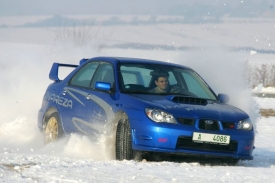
{"points": [[53, 129], [123, 141]]}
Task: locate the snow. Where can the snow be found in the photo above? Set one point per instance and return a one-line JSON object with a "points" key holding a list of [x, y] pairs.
{"points": [[59, 164], [265, 103], [261, 89], [25, 60]]}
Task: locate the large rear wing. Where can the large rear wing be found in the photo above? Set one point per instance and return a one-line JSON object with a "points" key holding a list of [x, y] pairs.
{"points": [[54, 70]]}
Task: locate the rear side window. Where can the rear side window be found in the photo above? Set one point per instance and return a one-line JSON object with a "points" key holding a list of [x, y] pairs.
{"points": [[84, 76]]}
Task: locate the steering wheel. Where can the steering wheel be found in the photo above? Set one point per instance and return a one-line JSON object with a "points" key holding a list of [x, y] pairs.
{"points": [[178, 89]]}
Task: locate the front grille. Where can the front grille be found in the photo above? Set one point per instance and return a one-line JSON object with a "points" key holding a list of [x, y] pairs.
{"points": [[187, 143], [206, 124], [189, 100], [186, 121]]}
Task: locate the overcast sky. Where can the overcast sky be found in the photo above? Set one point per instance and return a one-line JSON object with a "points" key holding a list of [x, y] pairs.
{"points": [[136, 7]]}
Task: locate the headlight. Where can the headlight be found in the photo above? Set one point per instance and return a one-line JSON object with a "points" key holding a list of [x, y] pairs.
{"points": [[159, 116], [245, 124]]}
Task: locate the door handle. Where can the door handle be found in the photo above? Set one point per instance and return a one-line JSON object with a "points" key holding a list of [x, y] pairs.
{"points": [[88, 96], [64, 92]]}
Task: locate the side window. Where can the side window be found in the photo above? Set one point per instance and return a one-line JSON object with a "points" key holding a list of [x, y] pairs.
{"points": [[84, 76], [105, 73]]}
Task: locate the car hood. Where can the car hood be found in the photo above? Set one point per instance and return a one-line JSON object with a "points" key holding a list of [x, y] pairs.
{"points": [[187, 109]]}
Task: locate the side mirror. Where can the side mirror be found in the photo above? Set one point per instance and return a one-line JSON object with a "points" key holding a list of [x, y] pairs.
{"points": [[103, 86], [223, 98]]}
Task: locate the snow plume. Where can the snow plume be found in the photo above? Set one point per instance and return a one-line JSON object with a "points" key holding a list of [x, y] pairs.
{"points": [[79, 147], [21, 91], [24, 79], [225, 72]]}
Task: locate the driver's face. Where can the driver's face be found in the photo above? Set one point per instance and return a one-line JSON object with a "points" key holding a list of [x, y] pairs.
{"points": [[162, 83]]}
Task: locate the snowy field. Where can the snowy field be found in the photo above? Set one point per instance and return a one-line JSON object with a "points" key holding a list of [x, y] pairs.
{"points": [[26, 57], [76, 159]]}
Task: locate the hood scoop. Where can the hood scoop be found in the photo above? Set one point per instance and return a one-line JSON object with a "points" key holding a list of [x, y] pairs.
{"points": [[189, 100]]}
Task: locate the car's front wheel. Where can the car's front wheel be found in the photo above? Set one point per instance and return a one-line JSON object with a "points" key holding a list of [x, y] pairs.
{"points": [[123, 141], [53, 129]]}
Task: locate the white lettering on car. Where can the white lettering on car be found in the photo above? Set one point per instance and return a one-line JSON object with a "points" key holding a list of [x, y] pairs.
{"points": [[70, 104], [60, 100]]}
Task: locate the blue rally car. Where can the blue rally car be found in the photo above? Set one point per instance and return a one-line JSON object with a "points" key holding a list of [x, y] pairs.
{"points": [[151, 107]]}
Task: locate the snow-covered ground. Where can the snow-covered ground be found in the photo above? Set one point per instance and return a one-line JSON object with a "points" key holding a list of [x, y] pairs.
{"points": [[26, 57], [77, 159]]}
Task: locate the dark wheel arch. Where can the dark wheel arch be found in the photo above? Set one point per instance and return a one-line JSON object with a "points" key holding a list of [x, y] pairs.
{"points": [[47, 114]]}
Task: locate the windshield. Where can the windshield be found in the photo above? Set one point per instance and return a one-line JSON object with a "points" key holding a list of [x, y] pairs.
{"points": [[163, 80]]}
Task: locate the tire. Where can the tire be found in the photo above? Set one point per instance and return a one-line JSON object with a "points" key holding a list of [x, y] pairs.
{"points": [[53, 129], [123, 141]]}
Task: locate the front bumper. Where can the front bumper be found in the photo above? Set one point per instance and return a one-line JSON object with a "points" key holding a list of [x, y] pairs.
{"points": [[177, 139]]}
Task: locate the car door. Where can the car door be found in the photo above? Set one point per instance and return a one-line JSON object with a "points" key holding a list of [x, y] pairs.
{"points": [[77, 91], [89, 112]]}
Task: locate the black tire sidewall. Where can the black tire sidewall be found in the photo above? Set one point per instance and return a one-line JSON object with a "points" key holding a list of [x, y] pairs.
{"points": [[124, 141]]}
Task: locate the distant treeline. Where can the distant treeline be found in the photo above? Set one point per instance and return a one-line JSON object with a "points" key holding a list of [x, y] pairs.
{"points": [[63, 21], [263, 74], [59, 20]]}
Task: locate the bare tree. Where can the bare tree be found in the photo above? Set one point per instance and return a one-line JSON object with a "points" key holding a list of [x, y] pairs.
{"points": [[265, 75], [84, 35]]}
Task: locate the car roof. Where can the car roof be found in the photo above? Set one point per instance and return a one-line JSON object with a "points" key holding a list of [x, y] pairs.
{"points": [[136, 60]]}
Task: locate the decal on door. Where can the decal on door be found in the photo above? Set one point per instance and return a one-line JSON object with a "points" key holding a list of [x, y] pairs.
{"points": [[59, 100]]}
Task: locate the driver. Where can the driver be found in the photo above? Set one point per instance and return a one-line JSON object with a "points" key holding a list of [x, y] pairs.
{"points": [[162, 83]]}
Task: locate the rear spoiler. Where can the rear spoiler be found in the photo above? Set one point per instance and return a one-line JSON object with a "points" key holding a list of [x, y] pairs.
{"points": [[54, 70], [55, 67]]}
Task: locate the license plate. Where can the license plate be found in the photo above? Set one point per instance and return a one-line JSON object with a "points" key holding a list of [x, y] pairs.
{"points": [[211, 138]]}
